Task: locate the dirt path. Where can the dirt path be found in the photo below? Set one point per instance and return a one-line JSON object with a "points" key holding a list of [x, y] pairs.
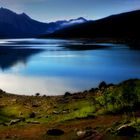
{"points": [[38, 131]]}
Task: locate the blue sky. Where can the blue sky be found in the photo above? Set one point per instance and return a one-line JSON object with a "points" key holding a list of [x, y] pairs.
{"points": [[52, 10]]}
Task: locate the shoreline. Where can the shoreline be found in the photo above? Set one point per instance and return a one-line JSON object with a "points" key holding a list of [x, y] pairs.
{"points": [[91, 114]]}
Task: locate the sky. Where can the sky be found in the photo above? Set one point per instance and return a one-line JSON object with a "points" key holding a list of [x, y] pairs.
{"points": [[52, 10]]}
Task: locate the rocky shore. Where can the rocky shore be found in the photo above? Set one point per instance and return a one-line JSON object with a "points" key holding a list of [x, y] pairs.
{"points": [[106, 112]]}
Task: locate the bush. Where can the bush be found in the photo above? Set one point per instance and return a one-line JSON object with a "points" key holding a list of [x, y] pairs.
{"points": [[67, 94], [102, 85]]}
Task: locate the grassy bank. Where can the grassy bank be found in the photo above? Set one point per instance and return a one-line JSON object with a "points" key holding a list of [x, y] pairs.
{"points": [[106, 112]]}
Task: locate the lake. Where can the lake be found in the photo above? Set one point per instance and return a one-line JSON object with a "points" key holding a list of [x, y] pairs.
{"points": [[52, 67]]}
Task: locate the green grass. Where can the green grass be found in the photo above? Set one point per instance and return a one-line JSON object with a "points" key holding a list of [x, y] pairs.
{"points": [[80, 113], [107, 101]]}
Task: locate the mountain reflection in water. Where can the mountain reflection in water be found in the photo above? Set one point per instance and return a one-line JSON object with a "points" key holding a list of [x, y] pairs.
{"points": [[53, 66]]}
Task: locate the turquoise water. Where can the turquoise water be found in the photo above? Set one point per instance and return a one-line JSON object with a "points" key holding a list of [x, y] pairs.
{"points": [[29, 66]]}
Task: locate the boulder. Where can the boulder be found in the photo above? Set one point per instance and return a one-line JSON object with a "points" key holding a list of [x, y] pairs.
{"points": [[32, 115], [85, 133], [35, 105], [12, 122], [55, 132], [91, 116], [56, 112], [126, 130], [7, 137], [81, 133], [65, 111]]}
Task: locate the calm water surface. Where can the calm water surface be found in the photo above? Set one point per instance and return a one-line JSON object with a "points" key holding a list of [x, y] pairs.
{"points": [[29, 66]]}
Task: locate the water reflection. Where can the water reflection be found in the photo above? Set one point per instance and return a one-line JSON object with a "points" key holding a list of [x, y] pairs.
{"points": [[10, 56], [55, 66], [29, 85]]}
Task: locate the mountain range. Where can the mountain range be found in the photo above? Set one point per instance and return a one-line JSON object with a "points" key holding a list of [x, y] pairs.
{"points": [[13, 25], [122, 26]]}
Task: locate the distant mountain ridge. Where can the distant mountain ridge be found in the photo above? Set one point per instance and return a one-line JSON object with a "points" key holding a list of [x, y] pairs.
{"points": [[60, 24], [13, 25], [124, 25]]}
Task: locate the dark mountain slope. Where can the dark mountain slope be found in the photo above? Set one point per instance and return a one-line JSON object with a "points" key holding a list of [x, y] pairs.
{"points": [[13, 25], [125, 25]]}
